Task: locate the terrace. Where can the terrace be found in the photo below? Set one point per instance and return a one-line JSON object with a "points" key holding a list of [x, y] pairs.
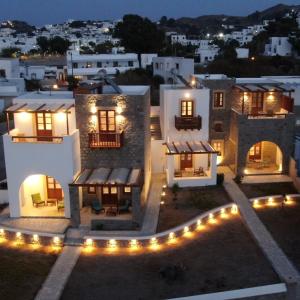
{"points": [[263, 101]]}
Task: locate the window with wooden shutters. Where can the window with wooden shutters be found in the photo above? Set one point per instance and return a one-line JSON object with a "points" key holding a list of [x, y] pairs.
{"points": [[187, 109], [107, 120]]}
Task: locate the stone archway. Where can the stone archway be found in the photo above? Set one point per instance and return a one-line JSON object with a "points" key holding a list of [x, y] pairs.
{"points": [[263, 157]]}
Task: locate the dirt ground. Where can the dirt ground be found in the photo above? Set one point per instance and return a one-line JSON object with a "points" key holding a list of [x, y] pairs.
{"points": [[267, 189], [23, 272], [173, 213], [221, 257], [284, 225]]}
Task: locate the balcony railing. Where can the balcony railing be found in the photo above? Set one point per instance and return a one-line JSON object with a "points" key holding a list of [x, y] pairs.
{"points": [[37, 139], [185, 123], [106, 139]]}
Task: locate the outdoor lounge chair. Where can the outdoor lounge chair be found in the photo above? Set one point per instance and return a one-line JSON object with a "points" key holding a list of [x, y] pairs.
{"points": [[97, 207], [125, 207], [37, 200], [199, 172]]}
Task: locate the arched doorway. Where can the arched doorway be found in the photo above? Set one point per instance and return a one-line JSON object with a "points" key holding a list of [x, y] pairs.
{"points": [[264, 158], [41, 196]]}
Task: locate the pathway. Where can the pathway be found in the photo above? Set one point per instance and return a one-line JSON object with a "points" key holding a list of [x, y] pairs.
{"points": [[153, 205], [54, 285], [276, 256], [266, 179]]}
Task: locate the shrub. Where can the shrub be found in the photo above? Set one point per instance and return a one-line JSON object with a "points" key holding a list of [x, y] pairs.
{"points": [[220, 178]]}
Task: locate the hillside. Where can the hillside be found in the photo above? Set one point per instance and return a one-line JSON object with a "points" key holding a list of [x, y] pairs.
{"points": [[213, 23]]}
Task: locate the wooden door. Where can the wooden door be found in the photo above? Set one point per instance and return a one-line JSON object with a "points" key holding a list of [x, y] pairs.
{"points": [[110, 195], [44, 126], [257, 104], [186, 161], [54, 190], [255, 152]]}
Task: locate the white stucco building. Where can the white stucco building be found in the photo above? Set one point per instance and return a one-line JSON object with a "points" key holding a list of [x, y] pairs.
{"points": [[41, 153], [278, 46], [164, 66], [183, 152]]}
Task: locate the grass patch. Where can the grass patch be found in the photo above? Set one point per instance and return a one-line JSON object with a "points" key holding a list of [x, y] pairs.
{"points": [[23, 272], [267, 189], [190, 203]]}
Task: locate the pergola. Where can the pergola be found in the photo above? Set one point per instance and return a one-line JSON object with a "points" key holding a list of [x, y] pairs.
{"points": [[193, 147], [39, 108], [262, 88]]}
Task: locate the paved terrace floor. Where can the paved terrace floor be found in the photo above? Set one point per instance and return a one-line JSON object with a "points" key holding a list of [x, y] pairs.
{"points": [[276, 256], [266, 178]]}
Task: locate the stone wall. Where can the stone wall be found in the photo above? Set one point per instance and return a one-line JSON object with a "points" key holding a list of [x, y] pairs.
{"points": [[250, 132], [221, 115]]}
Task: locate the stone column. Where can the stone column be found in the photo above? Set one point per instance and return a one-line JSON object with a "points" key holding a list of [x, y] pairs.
{"points": [[74, 206], [136, 205]]}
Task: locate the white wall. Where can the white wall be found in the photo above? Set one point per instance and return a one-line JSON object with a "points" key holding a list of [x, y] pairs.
{"points": [[11, 67], [170, 107], [58, 160]]}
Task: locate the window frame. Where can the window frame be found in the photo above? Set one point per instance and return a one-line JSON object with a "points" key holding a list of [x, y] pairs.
{"points": [[186, 115], [216, 92], [91, 192], [220, 123], [124, 190], [222, 147], [107, 123]]}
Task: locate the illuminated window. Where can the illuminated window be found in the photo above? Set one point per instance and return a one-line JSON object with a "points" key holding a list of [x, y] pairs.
{"points": [[107, 120], [113, 190], [218, 99], [187, 108], [105, 190], [218, 146], [127, 189], [91, 190]]}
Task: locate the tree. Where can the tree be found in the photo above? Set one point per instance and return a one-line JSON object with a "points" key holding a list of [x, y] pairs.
{"points": [[10, 52], [139, 35], [59, 45], [43, 44], [103, 48]]}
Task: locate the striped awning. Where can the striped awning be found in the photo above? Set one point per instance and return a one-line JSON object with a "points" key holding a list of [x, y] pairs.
{"points": [[40, 107], [193, 147], [108, 177]]}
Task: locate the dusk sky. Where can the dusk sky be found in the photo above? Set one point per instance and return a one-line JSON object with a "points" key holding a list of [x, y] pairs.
{"points": [[40, 12]]}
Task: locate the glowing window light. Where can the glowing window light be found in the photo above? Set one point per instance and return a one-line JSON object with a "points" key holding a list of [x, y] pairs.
{"points": [[89, 243], [234, 209], [112, 243]]}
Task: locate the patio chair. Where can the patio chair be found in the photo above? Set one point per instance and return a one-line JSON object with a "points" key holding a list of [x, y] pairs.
{"points": [[199, 172], [97, 207], [125, 207], [37, 200], [60, 205]]}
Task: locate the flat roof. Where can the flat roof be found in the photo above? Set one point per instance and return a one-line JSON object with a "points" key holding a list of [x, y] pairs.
{"points": [[45, 95]]}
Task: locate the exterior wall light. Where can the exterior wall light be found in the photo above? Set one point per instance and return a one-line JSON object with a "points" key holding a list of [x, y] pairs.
{"points": [[93, 109], [119, 110]]}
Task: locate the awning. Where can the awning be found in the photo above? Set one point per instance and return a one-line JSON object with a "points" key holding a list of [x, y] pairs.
{"points": [[253, 87], [40, 107], [193, 147], [109, 177]]}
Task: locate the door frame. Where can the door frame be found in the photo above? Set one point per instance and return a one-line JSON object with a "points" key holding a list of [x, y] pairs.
{"points": [[188, 163], [255, 155], [109, 199], [55, 182], [44, 136]]}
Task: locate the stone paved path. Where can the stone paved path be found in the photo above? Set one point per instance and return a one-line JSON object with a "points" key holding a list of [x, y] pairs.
{"points": [[266, 179], [59, 274], [273, 252]]}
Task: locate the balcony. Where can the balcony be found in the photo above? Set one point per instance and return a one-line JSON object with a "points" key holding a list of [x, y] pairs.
{"points": [[186, 123], [106, 140]]}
